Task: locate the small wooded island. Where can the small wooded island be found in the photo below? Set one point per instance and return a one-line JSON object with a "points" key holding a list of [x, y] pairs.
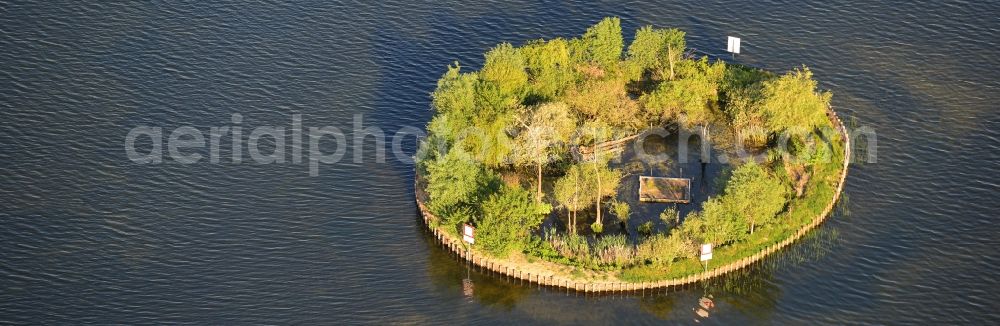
{"points": [[542, 151]]}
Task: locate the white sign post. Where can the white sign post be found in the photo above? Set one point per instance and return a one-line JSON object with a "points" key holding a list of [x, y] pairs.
{"points": [[469, 233], [733, 45], [706, 254]]}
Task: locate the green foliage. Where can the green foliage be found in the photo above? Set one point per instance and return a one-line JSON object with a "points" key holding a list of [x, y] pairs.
{"points": [[621, 210], [456, 179], [603, 43], [714, 224], [670, 216], [540, 247], [754, 194], [570, 190], [792, 101], [488, 142], [445, 127], [746, 116], [663, 250], [581, 182], [692, 95], [546, 130], [454, 216], [605, 101], [570, 246], [455, 92], [645, 52], [613, 250], [602, 253], [601, 180], [521, 110], [739, 77], [656, 50], [549, 67], [811, 148], [597, 227], [505, 68], [507, 219], [752, 197], [646, 228], [454, 101]]}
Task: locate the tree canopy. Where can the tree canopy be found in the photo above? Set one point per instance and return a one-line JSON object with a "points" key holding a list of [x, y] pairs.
{"points": [[792, 101], [508, 217], [602, 43], [658, 50]]}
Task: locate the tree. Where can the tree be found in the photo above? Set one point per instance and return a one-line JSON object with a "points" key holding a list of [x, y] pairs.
{"points": [[755, 194], [455, 103], [670, 216], [583, 185], [607, 101], [507, 219], [549, 67], [546, 129], [656, 49], [603, 43], [455, 93], [505, 68], [644, 52], [570, 196], [714, 224], [601, 181], [792, 101], [701, 79], [456, 183], [622, 210], [673, 41], [692, 97], [488, 141]]}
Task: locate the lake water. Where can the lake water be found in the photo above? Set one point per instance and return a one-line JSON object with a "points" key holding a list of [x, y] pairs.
{"points": [[88, 236]]}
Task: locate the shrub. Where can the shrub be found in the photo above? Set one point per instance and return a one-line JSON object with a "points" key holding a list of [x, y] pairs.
{"points": [[603, 43], [646, 228], [670, 217], [570, 246], [597, 227], [613, 250], [505, 68], [507, 219], [755, 195], [663, 250], [714, 224], [456, 180], [793, 101], [541, 248], [621, 210]]}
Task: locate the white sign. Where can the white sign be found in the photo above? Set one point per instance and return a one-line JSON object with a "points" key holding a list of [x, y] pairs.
{"points": [[733, 45], [468, 233], [706, 251]]}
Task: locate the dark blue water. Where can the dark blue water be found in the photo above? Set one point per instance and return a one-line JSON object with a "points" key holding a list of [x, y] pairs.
{"points": [[88, 236]]}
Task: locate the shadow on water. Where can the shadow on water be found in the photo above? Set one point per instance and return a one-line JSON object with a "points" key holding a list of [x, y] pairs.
{"points": [[452, 275]]}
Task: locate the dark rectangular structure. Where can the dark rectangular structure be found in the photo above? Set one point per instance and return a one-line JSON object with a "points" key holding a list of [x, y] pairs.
{"points": [[664, 190]]}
